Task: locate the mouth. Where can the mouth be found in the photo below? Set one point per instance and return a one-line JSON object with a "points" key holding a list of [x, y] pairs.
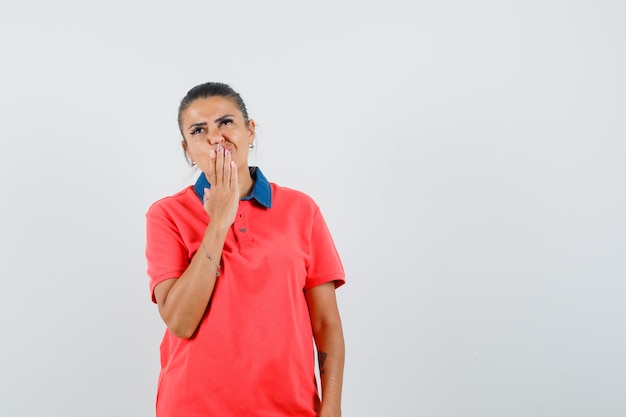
{"points": [[221, 148]]}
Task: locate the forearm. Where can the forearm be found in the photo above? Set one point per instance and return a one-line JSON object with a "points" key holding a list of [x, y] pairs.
{"points": [[186, 300], [331, 356]]}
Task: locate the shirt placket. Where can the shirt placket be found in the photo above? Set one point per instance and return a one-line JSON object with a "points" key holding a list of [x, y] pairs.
{"points": [[241, 226]]}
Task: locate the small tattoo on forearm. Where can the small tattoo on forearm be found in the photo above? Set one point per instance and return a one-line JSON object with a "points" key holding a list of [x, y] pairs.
{"points": [[321, 358]]}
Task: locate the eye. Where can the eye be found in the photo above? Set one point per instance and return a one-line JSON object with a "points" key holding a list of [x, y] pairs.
{"points": [[226, 122], [196, 130]]}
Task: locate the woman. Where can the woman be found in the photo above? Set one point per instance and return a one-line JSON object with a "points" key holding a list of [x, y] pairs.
{"points": [[244, 274]]}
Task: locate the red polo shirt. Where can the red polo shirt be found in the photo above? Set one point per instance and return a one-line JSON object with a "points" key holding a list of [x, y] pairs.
{"points": [[252, 354]]}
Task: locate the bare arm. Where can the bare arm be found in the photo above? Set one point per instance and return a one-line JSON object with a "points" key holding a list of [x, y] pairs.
{"points": [[328, 335], [183, 301]]}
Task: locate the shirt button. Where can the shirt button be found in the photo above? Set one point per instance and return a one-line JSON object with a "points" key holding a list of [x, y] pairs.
{"points": [[242, 229]]}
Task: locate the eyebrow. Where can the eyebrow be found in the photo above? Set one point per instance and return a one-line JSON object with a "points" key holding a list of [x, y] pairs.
{"points": [[224, 117], [197, 125], [218, 120]]}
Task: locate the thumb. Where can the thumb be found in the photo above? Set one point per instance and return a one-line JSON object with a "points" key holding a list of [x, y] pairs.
{"points": [[234, 178]]}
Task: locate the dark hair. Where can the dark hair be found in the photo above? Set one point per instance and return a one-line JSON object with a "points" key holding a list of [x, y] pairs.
{"points": [[210, 89]]}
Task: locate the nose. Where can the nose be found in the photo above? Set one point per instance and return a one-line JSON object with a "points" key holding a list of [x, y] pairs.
{"points": [[215, 137]]}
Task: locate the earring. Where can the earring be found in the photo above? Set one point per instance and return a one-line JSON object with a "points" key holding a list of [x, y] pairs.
{"points": [[251, 146], [193, 163]]}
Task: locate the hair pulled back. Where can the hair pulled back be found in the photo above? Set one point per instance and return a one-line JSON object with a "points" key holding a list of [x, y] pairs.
{"points": [[210, 89]]}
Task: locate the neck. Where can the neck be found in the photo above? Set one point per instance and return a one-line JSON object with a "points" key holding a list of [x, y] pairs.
{"points": [[245, 182]]}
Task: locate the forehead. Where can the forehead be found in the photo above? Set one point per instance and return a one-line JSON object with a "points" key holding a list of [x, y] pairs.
{"points": [[209, 109]]}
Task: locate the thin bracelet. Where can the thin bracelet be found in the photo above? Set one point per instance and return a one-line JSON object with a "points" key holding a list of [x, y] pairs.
{"points": [[208, 255]]}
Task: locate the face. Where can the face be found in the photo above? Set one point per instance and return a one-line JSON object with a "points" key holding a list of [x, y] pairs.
{"points": [[213, 121]]}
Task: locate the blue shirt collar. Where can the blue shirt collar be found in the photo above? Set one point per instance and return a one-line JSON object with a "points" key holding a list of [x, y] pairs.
{"points": [[261, 190]]}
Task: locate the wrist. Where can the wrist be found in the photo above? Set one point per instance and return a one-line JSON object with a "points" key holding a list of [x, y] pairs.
{"points": [[217, 229], [210, 258], [329, 413]]}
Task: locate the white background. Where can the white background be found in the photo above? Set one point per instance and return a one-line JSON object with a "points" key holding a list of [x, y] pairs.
{"points": [[469, 158]]}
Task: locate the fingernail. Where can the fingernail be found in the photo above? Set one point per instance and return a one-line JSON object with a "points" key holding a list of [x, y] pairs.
{"points": [[226, 152], [219, 147], [212, 153]]}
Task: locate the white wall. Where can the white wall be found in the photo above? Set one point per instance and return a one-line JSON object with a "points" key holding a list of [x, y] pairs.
{"points": [[469, 158]]}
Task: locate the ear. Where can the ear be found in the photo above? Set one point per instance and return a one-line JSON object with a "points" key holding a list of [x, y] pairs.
{"points": [[251, 131], [183, 143]]}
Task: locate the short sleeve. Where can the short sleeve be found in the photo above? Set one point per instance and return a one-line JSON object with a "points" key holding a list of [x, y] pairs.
{"points": [[166, 254], [324, 264]]}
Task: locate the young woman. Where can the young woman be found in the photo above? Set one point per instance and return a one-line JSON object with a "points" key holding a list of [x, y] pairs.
{"points": [[244, 274]]}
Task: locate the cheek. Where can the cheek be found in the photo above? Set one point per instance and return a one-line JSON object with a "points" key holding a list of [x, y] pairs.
{"points": [[194, 151], [196, 144]]}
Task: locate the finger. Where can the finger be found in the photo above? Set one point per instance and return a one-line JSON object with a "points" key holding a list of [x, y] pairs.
{"points": [[211, 174], [234, 179], [227, 167], [206, 196], [219, 165]]}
